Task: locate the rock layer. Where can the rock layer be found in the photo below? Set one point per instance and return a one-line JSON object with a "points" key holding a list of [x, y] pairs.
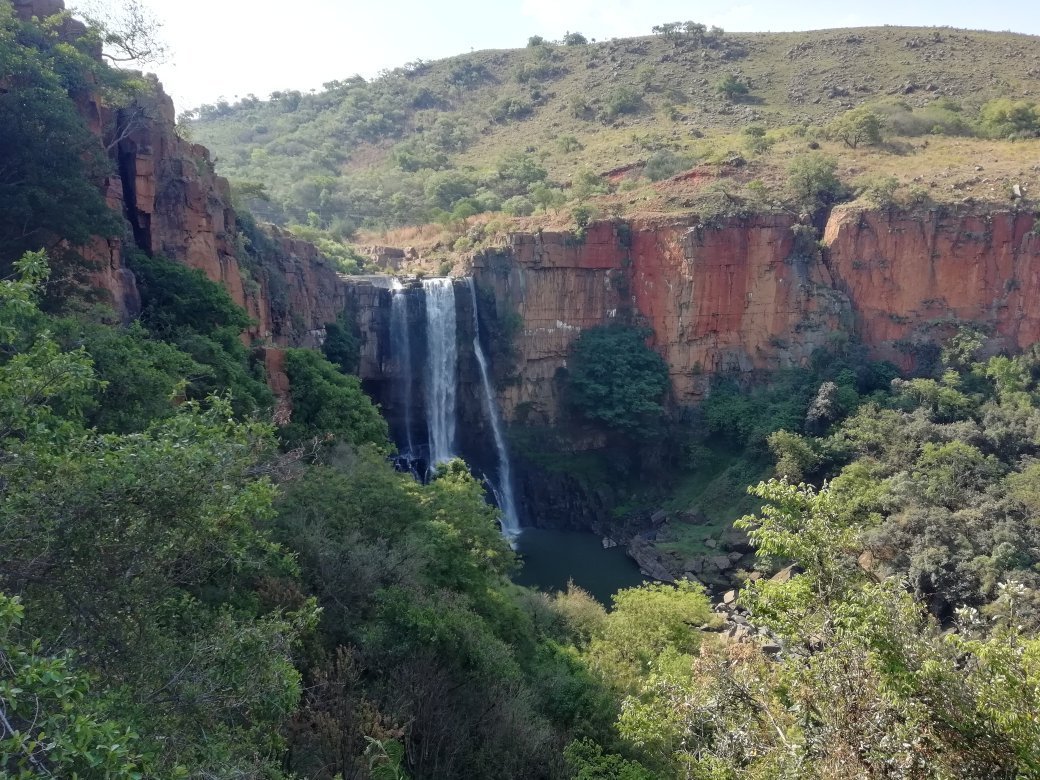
{"points": [[749, 295], [913, 278], [177, 207], [741, 296]]}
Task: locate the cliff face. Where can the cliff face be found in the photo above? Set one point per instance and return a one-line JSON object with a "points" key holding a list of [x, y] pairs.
{"points": [[176, 206], [741, 297], [748, 295], [912, 280]]}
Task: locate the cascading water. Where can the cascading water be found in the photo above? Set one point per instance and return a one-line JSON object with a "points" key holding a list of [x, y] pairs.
{"points": [[504, 493], [441, 362], [402, 352]]}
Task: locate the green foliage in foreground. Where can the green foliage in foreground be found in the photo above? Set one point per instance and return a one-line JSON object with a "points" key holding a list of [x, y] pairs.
{"points": [[616, 379], [181, 599], [48, 190]]}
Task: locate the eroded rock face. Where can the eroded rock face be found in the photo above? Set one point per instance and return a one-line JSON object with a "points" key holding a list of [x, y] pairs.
{"points": [[913, 279], [745, 296], [179, 208], [176, 206], [740, 296]]}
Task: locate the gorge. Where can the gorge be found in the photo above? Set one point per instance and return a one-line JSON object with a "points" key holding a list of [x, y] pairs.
{"points": [[375, 491]]}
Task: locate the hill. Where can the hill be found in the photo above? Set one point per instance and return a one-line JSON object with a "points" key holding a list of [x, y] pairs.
{"points": [[530, 130]]}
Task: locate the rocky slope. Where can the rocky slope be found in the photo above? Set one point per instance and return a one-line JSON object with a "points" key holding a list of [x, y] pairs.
{"points": [[176, 206]]}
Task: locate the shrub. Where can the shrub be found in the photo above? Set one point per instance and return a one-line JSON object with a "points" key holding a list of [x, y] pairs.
{"points": [[813, 182], [574, 39], [569, 143], [617, 380], [509, 108], [1005, 118], [622, 100], [857, 126], [665, 163], [879, 190], [731, 87], [174, 297], [535, 40], [518, 206], [327, 402]]}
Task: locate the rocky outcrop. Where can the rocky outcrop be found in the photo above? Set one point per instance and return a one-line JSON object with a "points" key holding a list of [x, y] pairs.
{"points": [[740, 296], [913, 278], [757, 294], [176, 206]]}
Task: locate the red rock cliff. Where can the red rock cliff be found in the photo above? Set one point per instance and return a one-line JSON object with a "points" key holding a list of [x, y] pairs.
{"points": [[736, 297], [913, 278], [744, 296], [176, 206]]}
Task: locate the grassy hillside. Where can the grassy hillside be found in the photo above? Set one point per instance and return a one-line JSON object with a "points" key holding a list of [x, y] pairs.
{"points": [[549, 127]]}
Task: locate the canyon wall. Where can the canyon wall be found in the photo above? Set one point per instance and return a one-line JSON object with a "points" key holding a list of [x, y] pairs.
{"points": [[758, 294], [177, 207], [743, 296], [912, 279]]}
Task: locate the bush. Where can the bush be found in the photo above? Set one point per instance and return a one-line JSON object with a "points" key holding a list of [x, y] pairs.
{"points": [[879, 190], [812, 181], [535, 40], [857, 126], [1006, 118], [664, 164], [342, 346], [622, 100], [617, 380], [569, 143], [509, 108], [731, 87], [574, 39], [518, 206], [326, 402], [174, 297]]}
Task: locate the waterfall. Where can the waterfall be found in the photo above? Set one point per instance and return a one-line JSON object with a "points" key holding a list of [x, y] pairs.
{"points": [[402, 351], [441, 360], [504, 493]]}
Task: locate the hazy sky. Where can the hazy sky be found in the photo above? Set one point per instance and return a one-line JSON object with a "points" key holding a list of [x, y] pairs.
{"points": [[230, 48]]}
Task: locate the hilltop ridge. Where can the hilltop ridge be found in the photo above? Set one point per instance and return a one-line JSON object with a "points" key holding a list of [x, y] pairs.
{"points": [[534, 129]]}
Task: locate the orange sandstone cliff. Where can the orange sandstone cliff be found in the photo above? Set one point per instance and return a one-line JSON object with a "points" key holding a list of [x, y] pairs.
{"points": [[176, 206], [750, 295]]}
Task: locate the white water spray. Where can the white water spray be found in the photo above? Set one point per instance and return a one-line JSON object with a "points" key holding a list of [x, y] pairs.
{"points": [[441, 360], [504, 493], [402, 352]]}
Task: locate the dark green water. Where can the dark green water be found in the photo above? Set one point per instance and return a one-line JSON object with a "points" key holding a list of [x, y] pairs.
{"points": [[551, 558]]}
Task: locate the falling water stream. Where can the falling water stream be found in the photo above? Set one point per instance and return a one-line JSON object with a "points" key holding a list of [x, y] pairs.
{"points": [[402, 352], [441, 362], [504, 492]]}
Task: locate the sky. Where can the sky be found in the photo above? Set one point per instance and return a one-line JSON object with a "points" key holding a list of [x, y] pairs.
{"points": [[231, 48]]}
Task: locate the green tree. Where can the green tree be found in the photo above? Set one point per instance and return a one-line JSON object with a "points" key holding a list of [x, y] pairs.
{"points": [[858, 126], [52, 162], [813, 182], [342, 345], [327, 402], [616, 379]]}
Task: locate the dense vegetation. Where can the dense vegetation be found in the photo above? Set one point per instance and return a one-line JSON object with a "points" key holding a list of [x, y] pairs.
{"points": [[187, 591], [566, 130], [615, 379]]}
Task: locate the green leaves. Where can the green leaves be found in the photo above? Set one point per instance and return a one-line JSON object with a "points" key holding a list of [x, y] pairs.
{"points": [[327, 402], [52, 162], [616, 379], [47, 723]]}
